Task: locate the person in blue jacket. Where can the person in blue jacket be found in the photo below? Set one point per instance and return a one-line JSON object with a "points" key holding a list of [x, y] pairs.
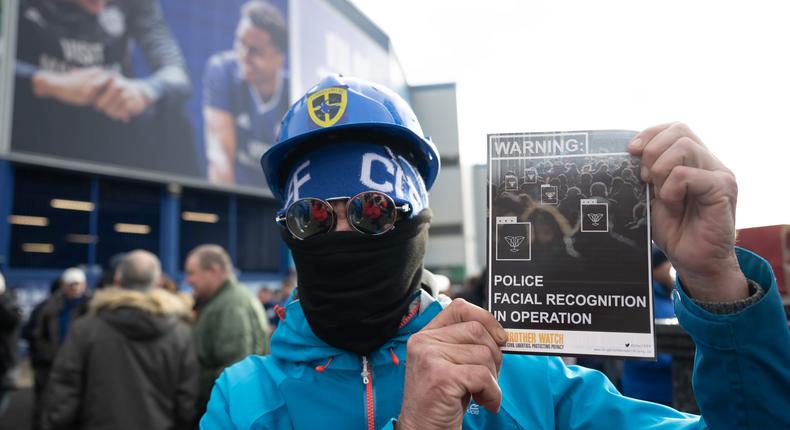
{"points": [[652, 380], [363, 344]]}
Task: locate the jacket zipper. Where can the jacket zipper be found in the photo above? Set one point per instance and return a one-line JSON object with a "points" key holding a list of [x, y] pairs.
{"points": [[367, 380]]}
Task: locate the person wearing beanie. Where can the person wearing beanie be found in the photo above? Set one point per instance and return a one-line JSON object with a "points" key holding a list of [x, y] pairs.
{"points": [[51, 325], [130, 362], [363, 343]]}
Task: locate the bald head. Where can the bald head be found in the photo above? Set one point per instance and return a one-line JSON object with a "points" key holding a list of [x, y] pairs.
{"points": [[139, 270], [212, 256]]}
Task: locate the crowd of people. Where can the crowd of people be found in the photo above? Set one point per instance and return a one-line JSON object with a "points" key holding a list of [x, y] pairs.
{"points": [[136, 342], [365, 340]]}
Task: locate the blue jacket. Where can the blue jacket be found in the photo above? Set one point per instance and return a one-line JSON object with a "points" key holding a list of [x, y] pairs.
{"points": [[742, 379]]}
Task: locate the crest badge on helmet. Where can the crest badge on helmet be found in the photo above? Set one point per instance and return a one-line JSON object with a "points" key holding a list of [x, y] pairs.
{"points": [[327, 106]]}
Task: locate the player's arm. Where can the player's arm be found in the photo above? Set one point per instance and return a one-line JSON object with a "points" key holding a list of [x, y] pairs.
{"points": [[78, 87], [160, 49], [220, 138], [125, 98]]}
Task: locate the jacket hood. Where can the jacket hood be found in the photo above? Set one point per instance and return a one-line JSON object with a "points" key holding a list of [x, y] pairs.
{"points": [[294, 341], [140, 314]]}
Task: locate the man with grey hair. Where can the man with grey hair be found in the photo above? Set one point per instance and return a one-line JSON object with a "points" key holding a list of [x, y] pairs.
{"points": [[231, 323], [139, 270], [130, 362]]}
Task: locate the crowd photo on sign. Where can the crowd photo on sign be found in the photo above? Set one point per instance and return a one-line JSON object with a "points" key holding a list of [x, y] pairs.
{"points": [[558, 223], [573, 217], [241, 214]]}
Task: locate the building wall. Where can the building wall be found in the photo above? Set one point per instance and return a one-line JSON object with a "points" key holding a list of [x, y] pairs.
{"points": [[436, 108], [479, 195]]}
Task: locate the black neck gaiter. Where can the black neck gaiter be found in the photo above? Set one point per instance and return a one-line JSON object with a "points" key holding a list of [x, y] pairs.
{"points": [[355, 289]]}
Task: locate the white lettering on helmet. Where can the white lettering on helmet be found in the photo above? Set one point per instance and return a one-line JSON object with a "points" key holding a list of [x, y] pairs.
{"points": [[296, 183], [367, 166]]}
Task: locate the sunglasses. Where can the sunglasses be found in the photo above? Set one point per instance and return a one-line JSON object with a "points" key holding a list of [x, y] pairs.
{"points": [[369, 212]]}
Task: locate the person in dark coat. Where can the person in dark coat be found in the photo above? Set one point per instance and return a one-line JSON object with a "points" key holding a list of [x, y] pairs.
{"points": [[51, 321], [10, 317], [130, 362]]}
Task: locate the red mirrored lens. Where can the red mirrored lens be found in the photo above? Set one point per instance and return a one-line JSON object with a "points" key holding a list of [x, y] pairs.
{"points": [[308, 217], [372, 212]]}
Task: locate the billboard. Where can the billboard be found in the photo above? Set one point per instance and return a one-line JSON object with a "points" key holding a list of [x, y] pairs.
{"points": [[334, 37], [192, 89]]}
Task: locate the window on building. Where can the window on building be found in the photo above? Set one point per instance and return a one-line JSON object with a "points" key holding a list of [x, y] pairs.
{"points": [[204, 219], [129, 218], [258, 237], [50, 219]]}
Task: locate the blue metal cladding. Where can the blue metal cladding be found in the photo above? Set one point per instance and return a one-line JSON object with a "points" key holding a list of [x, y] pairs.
{"points": [[6, 201]]}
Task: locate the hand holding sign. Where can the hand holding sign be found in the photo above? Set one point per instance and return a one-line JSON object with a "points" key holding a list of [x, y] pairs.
{"points": [[693, 210], [453, 358]]}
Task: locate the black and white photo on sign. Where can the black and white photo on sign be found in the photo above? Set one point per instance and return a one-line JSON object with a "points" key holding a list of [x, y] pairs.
{"points": [[578, 204]]}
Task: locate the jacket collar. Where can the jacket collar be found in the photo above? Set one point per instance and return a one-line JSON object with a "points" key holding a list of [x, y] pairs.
{"points": [[294, 340], [154, 301]]}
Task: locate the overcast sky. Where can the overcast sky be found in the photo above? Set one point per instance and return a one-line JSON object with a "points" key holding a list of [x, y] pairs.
{"points": [[721, 67]]}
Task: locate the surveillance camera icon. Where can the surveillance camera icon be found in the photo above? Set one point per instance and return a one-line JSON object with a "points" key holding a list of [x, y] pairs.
{"points": [[595, 218], [514, 242]]}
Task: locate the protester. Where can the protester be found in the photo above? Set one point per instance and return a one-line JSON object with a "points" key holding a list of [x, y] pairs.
{"points": [[10, 317], [231, 323], [52, 324], [128, 364], [245, 95], [652, 380], [40, 361], [362, 327]]}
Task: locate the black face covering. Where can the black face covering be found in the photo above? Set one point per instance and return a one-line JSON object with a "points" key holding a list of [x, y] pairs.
{"points": [[355, 289]]}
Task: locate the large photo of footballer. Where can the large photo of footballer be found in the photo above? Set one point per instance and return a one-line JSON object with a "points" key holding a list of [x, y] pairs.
{"points": [[193, 89], [76, 96], [245, 95]]}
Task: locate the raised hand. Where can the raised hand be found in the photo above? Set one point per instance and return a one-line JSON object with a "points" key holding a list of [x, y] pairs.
{"points": [[692, 211]]}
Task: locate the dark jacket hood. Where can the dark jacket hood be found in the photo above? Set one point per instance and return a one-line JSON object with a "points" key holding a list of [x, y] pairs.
{"points": [[140, 314]]}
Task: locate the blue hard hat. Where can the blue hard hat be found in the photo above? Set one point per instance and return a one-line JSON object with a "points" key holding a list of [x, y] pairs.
{"points": [[340, 108]]}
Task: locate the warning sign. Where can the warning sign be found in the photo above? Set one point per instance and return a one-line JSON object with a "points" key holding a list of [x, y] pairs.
{"points": [[569, 244]]}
